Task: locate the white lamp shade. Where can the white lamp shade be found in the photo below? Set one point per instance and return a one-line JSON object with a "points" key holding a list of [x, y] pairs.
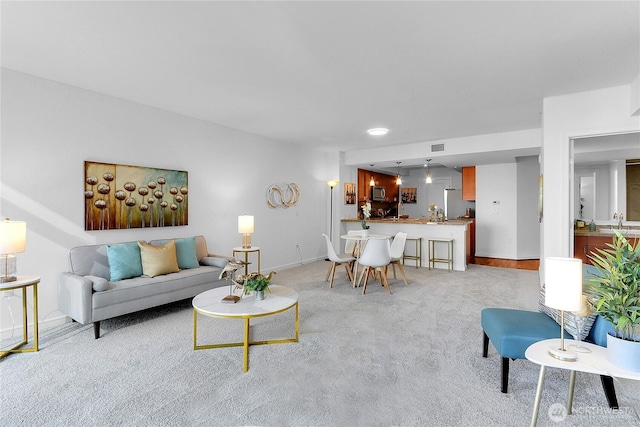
{"points": [[563, 283], [245, 224], [13, 236]]}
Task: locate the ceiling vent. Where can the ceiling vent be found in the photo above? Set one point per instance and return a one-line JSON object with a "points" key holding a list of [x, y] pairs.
{"points": [[437, 147]]}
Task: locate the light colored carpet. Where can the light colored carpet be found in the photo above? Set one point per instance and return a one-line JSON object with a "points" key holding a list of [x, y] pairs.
{"points": [[413, 358]]}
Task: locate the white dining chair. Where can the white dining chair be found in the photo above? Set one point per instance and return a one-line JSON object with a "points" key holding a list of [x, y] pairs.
{"points": [[336, 260], [375, 257], [397, 251]]}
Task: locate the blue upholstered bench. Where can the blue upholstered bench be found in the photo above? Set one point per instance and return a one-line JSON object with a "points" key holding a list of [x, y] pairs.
{"points": [[512, 331]]}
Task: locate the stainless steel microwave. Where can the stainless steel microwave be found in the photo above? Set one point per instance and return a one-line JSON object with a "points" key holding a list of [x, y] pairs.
{"points": [[378, 193]]}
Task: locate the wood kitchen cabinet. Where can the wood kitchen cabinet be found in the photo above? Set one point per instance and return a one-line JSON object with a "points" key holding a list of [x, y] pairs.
{"points": [[469, 183], [584, 245], [387, 181], [471, 242]]}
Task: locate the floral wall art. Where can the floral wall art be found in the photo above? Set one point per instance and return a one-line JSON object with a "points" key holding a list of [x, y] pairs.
{"points": [[123, 196]]}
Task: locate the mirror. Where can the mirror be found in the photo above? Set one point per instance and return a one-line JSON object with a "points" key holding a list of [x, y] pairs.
{"points": [[600, 180]]}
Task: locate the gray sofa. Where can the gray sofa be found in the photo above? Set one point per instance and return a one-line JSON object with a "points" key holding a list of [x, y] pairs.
{"points": [[86, 295]]}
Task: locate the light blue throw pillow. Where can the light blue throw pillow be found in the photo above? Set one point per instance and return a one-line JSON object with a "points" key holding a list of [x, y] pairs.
{"points": [[124, 261], [186, 253]]}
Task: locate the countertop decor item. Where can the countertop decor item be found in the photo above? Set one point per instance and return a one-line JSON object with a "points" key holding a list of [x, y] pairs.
{"points": [[366, 214]]}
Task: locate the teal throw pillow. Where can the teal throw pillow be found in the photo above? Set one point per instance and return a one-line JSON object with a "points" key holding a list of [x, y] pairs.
{"points": [[124, 261], [186, 252]]}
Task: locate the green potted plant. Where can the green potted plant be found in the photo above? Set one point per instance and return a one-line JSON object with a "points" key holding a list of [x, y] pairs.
{"points": [[615, 292], [258, 284]]}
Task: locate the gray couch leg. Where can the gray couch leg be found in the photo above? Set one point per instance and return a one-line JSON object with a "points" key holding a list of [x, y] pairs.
{"points": [[96, 329]]}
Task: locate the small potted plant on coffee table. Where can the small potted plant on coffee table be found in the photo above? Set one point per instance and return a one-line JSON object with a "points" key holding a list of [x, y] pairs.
{"points": [[258, 284]]}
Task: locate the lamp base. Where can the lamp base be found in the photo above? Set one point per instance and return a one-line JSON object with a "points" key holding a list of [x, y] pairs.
{"points": [[564, 355], [246, 240], [8, 268]]}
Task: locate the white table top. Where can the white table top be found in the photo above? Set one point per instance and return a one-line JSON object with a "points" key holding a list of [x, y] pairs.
{"points": [[369, 236], [279, 299], [251, 249], [20, 282], [595, 362]]}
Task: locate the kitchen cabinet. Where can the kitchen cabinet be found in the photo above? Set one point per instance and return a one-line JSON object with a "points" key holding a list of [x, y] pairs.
{"points": [[584, 245], [469, 183], [387, 181], [471, 243], [580, 248]]}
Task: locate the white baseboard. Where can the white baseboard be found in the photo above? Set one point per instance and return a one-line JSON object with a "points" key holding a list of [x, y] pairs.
{"points": [[16, 330]]}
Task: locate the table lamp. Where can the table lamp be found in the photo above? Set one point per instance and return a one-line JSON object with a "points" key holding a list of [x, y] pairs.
{"points": [[245, 226], [13, 238], [563, 291]]}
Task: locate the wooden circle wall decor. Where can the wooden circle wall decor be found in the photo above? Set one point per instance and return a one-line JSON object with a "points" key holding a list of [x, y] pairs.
{"points": [[283, 195]]}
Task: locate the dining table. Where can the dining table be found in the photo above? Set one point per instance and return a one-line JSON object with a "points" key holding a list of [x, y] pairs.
{"points": [[360, 243]]}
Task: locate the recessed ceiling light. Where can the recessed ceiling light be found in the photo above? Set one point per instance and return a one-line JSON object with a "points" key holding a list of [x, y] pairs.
{"points": [[378, 131]]}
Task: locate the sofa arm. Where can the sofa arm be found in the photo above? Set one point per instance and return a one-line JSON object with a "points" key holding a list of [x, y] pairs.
{"points": [[74, 297]]}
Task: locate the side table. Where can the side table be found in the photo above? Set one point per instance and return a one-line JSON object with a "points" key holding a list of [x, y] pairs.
{"points": [[23, 282], [594, 362], [246, 252]]}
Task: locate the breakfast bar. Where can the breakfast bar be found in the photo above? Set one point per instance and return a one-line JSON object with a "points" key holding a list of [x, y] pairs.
{"points": [[457, 229]]}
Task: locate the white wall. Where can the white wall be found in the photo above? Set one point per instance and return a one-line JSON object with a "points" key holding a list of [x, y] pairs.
{"points": [[597, 112], [496, 211], [528, 226], [50, 129]]}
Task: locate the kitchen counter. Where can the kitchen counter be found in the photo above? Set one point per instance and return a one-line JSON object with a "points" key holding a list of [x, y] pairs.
{"points": [[633, 232], [459, 221], [456, 229]]}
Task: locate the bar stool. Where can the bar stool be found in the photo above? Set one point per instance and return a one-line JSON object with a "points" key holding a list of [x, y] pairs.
{"points": [[417, 257], [432, 253]]}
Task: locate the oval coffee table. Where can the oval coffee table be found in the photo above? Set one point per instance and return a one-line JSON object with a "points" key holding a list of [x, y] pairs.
{"points": [[210, 304]]}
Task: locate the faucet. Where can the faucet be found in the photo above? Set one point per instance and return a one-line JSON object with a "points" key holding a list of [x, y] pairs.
{"points": [[620, 218]]}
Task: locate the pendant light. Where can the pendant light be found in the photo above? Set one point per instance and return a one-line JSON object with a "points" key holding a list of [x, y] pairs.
{"points": [[372, 182], [428, 180], [399, 180]]}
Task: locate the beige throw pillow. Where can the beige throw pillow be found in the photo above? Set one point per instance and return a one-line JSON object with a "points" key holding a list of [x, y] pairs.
{"points": [[157, 260]]}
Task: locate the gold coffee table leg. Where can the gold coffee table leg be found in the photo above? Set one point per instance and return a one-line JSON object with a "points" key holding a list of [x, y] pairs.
{"points": [[246, 344]]}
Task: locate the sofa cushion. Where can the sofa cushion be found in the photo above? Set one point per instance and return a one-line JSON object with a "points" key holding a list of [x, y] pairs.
{"points": [[98, 284], [214, 261], [157, 260], [571, 319], [186, 253], [130, 293], [124, 261]]}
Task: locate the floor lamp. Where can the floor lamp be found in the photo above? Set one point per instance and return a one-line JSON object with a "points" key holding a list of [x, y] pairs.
{"points": [[331, 184]]}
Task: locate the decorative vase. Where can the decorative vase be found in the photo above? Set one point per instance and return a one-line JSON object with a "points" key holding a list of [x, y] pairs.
{"points": [[365, 233], [259, 295], [623, 354]]}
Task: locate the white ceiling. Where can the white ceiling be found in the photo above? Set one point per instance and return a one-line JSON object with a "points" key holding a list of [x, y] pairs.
{"points": [[321, 73]]}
